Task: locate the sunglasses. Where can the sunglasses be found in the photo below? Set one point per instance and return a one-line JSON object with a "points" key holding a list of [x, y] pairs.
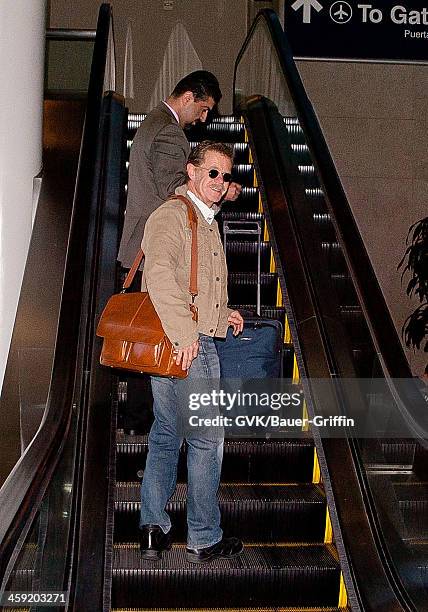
{"points": [[213, 173]]}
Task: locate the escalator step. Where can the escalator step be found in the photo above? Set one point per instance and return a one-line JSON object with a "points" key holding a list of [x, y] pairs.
{"points": [[255, 513], [364, 360], [420, 551], [301, 154], [242, 255], [399, 452], [239, 247], [238, 215], [413, 503], [22, 577], [306, 169], [248, 202], [322, 218], [241, 151], [228, 609], [309, 177], [231, 131], [308, 174], [296, 133], [355, 324], [351, 312], [315, 200], [315, 194], [242, 287], [254, 460], [290, 575], [288, 361], [273, 312], [134, 122], [221, 131], [323, 226], [244, 174], [344, 289], [334, 256]]}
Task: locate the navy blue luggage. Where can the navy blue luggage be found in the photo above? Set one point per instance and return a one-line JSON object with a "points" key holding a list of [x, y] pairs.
{"points": [[256, 353]]}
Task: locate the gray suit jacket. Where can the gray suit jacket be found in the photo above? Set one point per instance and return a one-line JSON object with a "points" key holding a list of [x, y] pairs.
{"points": [[157, 165]]}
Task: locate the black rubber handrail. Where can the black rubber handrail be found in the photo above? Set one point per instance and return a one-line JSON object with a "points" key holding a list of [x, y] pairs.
{"points": [[93, 548], [23, 490], [382, 329]]}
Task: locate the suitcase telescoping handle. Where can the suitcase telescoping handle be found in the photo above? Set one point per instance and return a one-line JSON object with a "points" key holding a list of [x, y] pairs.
{"points": [[249, 228]]}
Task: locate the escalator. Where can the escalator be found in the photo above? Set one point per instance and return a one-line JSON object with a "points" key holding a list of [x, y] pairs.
{"points": [[328, 523]]}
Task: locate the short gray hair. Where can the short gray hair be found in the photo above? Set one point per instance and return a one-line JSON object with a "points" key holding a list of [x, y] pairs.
{"points": [[197, 155]]}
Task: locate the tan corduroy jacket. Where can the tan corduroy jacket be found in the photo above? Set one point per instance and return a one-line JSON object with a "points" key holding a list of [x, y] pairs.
{"points": [[167, 248]]}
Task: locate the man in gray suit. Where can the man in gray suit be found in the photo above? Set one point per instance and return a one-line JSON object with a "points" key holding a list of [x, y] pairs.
{"points": [[159, 154]]}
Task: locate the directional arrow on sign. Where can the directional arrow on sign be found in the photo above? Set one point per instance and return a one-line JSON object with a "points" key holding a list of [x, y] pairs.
{"points": [[307, 5]]}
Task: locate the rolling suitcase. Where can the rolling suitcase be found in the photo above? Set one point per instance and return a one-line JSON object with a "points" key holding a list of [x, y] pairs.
{"points": [[258, 351]]}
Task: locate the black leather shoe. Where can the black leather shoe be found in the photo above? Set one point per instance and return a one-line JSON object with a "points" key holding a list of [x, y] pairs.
{"points": [[225, 549], [153, 541]]}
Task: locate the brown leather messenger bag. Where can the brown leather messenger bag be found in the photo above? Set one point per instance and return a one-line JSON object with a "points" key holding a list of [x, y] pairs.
{"points": [[133, 337]]}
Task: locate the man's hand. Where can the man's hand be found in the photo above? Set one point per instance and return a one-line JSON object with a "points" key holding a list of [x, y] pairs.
{"points": [[187, 354], [233, 192], [236, 321]]}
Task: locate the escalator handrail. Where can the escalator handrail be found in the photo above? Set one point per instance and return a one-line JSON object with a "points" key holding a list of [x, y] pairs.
{"points": [[22, 492], [382, 329], [92, 549]]}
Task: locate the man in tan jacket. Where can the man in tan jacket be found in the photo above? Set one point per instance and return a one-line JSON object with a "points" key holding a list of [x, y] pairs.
{"points": [[167, 248], [157, 165]]}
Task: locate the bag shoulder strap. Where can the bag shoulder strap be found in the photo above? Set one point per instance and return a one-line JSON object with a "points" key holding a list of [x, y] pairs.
{"points": [[133, 269], [193, 222]]}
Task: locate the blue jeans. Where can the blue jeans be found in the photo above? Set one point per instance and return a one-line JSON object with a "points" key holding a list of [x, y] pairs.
{"points": [[204, 457]]}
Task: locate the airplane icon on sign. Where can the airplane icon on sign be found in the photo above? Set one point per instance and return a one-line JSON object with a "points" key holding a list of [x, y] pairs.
{"points": [[341, 12]]}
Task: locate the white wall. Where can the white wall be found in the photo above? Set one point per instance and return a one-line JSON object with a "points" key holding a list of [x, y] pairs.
{"points": [[216, 30], [22, 43], [375, 120]]}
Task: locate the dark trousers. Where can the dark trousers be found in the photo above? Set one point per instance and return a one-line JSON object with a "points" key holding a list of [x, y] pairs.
{"points": [[137, 411]]}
